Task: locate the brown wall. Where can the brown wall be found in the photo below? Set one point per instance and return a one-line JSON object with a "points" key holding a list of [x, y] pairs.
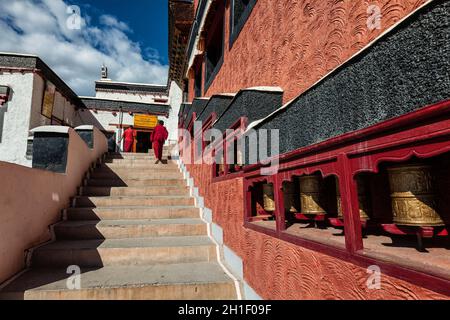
{"points": [[292, 44], [279, 270], [32, 199]]}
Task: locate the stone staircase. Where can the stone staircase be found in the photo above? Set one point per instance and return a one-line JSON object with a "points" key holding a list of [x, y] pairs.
{"points": [[135, 233]]}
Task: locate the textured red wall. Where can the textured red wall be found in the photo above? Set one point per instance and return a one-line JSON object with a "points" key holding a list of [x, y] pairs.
{"points": [[292, 44], [280, 270]]}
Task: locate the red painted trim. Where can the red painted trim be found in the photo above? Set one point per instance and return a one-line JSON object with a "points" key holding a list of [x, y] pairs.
{"points": [[425, 232], [239, 127], [257, 228], [191, 122], [424, 133], [19, 70], [229, 176], [412, 119]]}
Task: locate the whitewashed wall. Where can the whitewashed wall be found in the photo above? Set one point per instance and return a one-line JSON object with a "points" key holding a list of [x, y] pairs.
{"points": [[23, 113], [143, 98], [176, 98], [15, 118]]}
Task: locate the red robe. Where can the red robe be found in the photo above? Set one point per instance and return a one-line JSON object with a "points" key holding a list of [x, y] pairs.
{"points": [[158, 137], [128, 136]]}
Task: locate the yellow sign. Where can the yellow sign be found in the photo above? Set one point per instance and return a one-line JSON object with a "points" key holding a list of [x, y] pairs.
{"points": [[49, 100], [145, 121]]}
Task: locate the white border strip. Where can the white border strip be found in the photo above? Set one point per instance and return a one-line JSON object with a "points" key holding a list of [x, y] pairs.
{"points": [[199, 203]]}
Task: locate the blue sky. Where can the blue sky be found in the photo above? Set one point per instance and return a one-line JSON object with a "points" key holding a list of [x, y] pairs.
{"points": [[148, 19], [130, 37]]}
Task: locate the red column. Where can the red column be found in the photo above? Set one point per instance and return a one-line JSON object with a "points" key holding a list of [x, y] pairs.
{"points": [[350, 205], [279, 200]]}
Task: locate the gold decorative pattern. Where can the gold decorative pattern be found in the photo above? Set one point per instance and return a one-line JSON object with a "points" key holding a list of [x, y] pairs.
{"points": [[413, 196]]}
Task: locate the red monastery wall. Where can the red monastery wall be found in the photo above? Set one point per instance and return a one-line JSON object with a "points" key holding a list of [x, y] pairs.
{"points": [[292, 44]]}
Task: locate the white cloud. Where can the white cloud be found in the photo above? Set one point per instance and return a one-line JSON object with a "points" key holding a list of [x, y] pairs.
{"points": [[112, 22], [40, 27]]}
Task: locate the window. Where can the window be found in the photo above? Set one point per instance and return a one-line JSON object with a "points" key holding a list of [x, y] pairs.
{"points": [[29, 153], [230, 159], [240, 12], [198, 81], [186, 90], [214, 46]]}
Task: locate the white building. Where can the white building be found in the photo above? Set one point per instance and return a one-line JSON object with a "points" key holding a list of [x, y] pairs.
{"points": [[33, 96], [118, 105]]}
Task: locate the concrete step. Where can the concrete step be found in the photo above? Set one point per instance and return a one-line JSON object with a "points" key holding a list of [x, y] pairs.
{"points": [[122, 167], [128, 174], [83, 201], [138, 182], [133, 191], [132, 213], [148, 161], [193, 281], [141, 156], [130, 154], [137, 165], [122, 229], [125, 252]]}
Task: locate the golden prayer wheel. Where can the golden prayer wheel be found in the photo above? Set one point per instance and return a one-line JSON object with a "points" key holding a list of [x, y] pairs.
{"points": [[268, 198], [239, 158], [413, 194], [289, 197], [221, 165], [310, 195], [363, 200]]}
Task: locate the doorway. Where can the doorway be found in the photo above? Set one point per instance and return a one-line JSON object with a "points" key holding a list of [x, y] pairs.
{"points": [[143, 144]]}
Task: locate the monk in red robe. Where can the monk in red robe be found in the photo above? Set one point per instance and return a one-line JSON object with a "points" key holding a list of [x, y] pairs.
{"points": [[128, 136], [158, 138]]}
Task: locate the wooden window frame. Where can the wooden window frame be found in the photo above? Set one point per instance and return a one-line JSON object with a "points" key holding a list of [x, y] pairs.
{"points": [[235, 30], [220, 16], [239, 128]]}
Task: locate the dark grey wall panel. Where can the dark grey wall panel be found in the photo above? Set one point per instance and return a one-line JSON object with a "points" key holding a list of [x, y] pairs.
{"points": [[127, 106], [407, 70], [87, 136], [253, 104], [216, 104], [50, 151], [197, 106]]}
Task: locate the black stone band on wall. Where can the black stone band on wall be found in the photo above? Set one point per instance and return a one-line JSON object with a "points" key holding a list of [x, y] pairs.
{"points": [[197, 106], [252, 104], [50, 151], [217, 104], [405, 71], [87, 136], [127, 106]]}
